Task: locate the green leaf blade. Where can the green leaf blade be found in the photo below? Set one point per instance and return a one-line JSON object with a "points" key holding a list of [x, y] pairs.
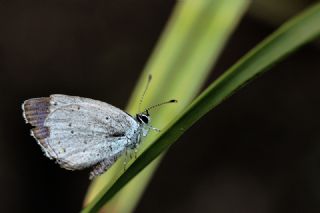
{"points": [[286, 39], [190, 45]]}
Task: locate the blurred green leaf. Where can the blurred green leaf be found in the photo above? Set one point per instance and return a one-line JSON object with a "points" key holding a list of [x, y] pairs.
{"points": [[286, 39], [189, 46]]}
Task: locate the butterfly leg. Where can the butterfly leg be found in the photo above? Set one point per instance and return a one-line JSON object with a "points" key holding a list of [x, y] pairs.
{"points": [[125, 160], [101, 167], [153, 128], [130, 151], [135, 149]]}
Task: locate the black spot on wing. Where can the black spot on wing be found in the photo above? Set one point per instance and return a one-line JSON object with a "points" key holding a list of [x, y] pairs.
{"points": [[117, 134]]}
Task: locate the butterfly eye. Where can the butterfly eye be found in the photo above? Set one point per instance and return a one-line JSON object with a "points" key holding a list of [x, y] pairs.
{"points": [[143, 118]]}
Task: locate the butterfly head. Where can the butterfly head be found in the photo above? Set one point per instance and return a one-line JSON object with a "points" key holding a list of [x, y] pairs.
{"points": [[144, 117]]}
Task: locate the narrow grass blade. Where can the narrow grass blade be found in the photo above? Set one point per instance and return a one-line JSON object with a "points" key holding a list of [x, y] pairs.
{"points": [[189, 46], [286, 39]]}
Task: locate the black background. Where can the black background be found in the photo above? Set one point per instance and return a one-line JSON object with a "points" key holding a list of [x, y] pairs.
{"points": [[259, 151]]}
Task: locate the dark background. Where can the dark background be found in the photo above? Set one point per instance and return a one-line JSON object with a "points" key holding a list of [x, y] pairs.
{"points": [[259, 151]]}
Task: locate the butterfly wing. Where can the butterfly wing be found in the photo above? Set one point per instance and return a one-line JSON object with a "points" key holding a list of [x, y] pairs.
{"points": [[79, 132]]}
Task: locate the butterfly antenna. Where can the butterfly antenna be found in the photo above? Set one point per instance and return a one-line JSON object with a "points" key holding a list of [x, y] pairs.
{"points": [[157, 105], [144, 92]]}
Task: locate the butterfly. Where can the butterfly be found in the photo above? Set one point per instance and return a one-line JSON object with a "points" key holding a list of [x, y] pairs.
{"points": [[81, 132]]}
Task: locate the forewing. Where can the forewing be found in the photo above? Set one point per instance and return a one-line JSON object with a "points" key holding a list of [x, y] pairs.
{"points": [[78, 132]]}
